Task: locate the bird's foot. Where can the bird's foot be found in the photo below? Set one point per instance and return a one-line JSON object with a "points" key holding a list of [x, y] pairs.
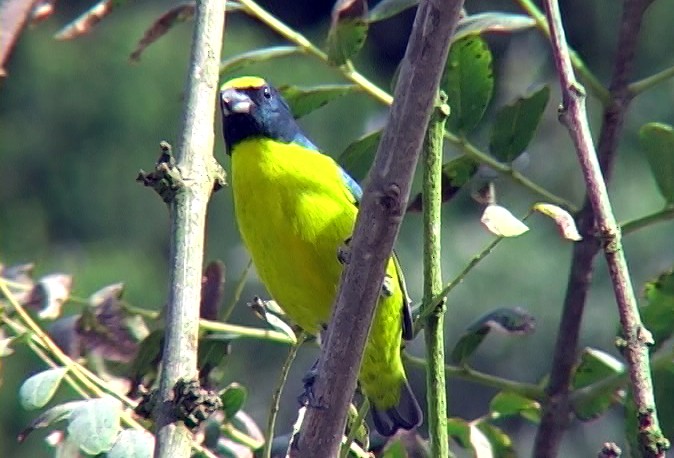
{"points": [[344, 252], [387, 286], [308, 398]]}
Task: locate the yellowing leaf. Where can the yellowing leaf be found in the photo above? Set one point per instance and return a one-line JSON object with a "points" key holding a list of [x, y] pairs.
{"points": [[563, 219], [499, 221]]}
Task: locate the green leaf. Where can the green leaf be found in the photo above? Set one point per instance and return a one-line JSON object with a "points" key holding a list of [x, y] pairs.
{"points": [[212, 353], [51, 416], [389, 8], [501, 444], [455, 174], [491, 22], [233, 398], [358, 157], [256, 56], [658, 142], [148, 357], [512, 321], [348, 30], [658, 313], [469, 436], [303, 101], [469, 83], [40, 388], [516, 124], [595, 365], [132, 443], [506, 404], [94, 425]]}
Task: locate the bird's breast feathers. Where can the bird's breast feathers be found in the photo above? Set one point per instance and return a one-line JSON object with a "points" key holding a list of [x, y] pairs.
{"points": [[294, 212]]}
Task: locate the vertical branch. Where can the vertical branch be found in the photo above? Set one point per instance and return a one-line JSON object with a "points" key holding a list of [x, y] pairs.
{"points": [[379, 218], [636, 336], [436, 389], [557, 409], [188, 220]]}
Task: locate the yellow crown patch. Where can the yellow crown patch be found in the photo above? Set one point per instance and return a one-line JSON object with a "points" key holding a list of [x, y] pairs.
{"points": [[244, 82]]}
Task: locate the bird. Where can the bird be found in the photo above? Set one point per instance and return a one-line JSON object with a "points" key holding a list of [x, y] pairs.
{"points": [[296, 208]]}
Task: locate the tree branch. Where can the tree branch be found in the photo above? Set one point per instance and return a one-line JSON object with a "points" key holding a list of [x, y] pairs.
{"points": [[436, 387], [574, 116], [556, 412], [188, 220], [379, 218]]}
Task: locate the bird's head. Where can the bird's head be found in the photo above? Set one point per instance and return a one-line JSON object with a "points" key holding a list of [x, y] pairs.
{"points": [[251, 107]]}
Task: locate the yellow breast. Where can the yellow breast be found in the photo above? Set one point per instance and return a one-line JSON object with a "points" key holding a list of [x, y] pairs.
{"points": [[293, 213]]}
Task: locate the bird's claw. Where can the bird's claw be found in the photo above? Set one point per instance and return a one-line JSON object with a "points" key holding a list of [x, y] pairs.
{"points": [[387, 286], [344, 252], [308, 398]]}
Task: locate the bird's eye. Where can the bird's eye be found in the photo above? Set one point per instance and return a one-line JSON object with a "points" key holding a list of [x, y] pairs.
{"points": [[266, 92]]}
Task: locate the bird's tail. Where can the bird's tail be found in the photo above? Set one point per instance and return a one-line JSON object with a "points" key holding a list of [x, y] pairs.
{"points": [[406, 414]]}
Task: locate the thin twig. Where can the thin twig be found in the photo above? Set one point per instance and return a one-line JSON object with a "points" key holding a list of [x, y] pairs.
{"points": [[188, 219], [381, 210], [276, 397], [637, 338], [238, 290]]}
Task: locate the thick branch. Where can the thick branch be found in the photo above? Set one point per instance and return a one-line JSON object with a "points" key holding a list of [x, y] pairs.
{"points": [[381, 212], [637, 338], [557, 410], [188, 218]]}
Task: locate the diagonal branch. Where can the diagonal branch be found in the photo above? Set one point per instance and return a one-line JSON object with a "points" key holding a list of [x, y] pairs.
{"points": [[381, 211], [557, 410], [636, 337], [188, 221]]}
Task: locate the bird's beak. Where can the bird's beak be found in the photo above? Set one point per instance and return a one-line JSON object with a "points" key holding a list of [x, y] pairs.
{"points": [[233, 101]]}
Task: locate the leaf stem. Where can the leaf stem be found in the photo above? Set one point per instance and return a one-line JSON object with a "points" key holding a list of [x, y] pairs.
{"points": [[645, 84], [245, 331], [528, 390], [634, 225]]}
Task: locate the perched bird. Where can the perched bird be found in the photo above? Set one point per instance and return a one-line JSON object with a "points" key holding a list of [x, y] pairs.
{"points": [[295, 208]]}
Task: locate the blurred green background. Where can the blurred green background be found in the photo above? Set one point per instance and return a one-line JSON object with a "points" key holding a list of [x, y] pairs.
{"points": [[77, 122]]}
